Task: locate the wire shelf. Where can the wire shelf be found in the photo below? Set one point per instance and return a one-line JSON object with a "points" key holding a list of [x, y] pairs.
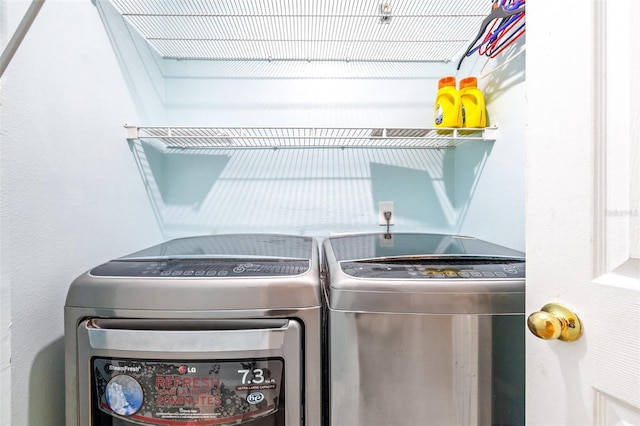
{"points": [[354, 30], [307, 137]]}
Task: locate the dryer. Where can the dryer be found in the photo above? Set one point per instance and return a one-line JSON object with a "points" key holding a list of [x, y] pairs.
{"points": [[211, 330]]}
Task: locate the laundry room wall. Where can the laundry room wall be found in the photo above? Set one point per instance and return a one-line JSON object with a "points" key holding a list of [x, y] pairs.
{"points": [[70, 195], [75, 193], [323, 191], [494, 207]]}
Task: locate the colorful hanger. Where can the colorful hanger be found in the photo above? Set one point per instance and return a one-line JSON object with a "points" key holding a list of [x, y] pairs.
{"points": [[508, 13]]}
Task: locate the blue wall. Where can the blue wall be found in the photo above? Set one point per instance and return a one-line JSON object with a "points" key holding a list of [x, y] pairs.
{"points": [[74, 193], [475, 189]]}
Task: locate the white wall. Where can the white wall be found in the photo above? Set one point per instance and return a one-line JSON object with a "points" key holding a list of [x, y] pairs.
{"points": [[74, 195], [71, 193]]}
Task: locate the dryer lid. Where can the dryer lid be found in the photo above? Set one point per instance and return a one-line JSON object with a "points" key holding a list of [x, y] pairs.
{"points": [[239, 246], [207, 273]]}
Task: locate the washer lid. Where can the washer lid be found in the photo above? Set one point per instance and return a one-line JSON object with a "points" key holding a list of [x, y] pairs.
{"points": [[424, 256], [423, 274], [418, 245]]}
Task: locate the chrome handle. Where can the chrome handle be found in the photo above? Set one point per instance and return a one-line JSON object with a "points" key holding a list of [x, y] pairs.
{"points": [[189, 340], [555, 321]]}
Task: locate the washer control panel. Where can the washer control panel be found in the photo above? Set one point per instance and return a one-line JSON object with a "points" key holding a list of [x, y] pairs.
{"points": [[202, 268], [439, 270]]}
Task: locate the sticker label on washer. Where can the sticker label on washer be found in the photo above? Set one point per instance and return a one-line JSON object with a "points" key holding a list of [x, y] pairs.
{"points": [[178, 393]]}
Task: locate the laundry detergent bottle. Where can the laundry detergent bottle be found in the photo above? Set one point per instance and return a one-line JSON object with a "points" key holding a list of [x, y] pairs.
{"points": [[474, 113], [448, 107]]}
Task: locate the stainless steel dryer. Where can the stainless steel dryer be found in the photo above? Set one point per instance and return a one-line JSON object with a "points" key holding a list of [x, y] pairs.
{"points": [[211, 330], [424, 329]]}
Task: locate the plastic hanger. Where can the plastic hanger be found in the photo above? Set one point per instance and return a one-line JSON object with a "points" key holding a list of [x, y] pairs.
{"points": [[508, 41], [498, 12], [504, 32], [492, 35]]}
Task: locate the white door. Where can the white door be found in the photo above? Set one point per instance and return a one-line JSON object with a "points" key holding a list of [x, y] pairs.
{"points": [[583, 208]]}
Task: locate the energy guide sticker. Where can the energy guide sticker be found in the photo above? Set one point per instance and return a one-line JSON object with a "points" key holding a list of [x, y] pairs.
{"points": [[194, 393]]}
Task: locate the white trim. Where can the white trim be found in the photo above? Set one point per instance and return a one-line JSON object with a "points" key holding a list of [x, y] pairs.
{"points": [[626, 276], [599, 141], [634, 137], [608, 410]]}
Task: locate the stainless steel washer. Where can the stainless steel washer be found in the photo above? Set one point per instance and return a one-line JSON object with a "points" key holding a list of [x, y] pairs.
{"points": [[211, 330], [424, 329]]}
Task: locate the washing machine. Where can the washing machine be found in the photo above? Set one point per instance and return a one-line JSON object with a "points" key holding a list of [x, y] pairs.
{"points": [[210, 330], [423, 329]]}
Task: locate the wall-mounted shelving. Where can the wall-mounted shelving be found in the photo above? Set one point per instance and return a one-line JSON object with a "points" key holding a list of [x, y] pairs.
{"points": [[305, 30], [307, 137], [318, 30]]}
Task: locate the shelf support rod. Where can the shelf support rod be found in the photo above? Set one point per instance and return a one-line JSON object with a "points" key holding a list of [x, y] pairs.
{"points": [[18, 36]]}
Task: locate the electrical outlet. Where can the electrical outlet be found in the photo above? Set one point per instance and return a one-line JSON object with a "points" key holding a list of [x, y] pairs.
{"points": [[386, 206]]}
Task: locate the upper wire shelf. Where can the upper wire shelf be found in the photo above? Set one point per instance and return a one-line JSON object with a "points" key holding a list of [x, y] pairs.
{"points": [[307, 137], [322, 30]]}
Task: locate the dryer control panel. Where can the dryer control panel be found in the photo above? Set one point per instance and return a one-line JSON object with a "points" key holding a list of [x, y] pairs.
{"points": [[203, 268]]}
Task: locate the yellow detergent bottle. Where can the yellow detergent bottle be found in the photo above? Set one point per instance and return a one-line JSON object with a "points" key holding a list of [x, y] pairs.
{"points": [[474, 113], [448, 107]]}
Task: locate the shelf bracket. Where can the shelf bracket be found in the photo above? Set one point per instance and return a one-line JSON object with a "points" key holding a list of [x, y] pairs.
{"points": [[131, 132], [491, 133], [385, 13]]}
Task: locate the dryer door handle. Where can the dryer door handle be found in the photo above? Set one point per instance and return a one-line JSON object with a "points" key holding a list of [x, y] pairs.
{"points": [[216, 338]]}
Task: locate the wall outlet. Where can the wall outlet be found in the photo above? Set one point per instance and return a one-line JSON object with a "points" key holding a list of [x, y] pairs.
{"points": [[386, 206]]}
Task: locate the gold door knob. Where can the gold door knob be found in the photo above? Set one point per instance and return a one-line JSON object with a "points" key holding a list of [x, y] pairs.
{"points": [[555, 321]]}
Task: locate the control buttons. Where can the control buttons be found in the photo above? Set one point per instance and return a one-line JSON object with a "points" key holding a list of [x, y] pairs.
{"points": [[200, 268], [444, 270]]}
